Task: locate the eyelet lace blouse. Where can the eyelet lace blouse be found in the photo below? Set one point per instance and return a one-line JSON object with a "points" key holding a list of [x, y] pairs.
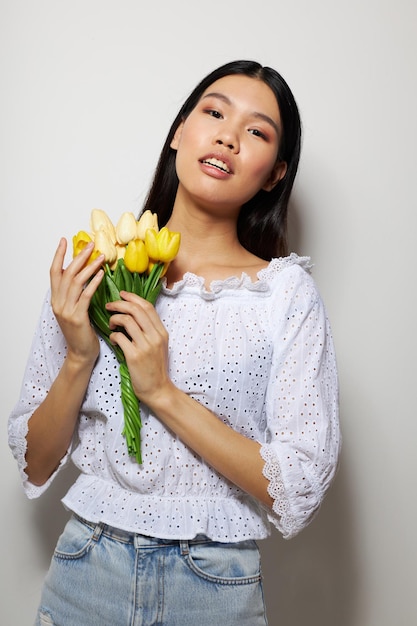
{"points": [[260, 356]]}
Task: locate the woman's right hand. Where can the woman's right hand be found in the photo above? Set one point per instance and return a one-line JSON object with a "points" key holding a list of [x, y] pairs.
{"points": [[71, 291]]}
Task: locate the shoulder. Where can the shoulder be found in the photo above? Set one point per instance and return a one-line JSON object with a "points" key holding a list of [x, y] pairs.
{"points": [[293, 290], [279, 265], [291, 272]]}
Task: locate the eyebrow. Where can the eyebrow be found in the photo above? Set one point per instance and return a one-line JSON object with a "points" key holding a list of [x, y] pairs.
{"points": [[256, 114]]}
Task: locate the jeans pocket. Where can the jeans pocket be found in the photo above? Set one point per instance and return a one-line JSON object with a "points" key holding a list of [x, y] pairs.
{"points": [[76, 540], [229, 564]]}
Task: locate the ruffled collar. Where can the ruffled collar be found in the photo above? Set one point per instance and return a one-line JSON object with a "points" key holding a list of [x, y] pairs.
{"points": [[194, 283]]}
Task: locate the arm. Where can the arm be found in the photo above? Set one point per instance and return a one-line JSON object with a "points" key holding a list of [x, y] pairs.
{"points": [[303, 438], [51, 427], [233, 455]]}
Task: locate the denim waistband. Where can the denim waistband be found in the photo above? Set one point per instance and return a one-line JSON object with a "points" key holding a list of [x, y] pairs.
{"points": [[137, 539]]}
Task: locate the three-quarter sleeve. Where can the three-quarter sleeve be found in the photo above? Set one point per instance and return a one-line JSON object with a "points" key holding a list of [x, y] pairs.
{"points": [[302, 442], [46, 356]]}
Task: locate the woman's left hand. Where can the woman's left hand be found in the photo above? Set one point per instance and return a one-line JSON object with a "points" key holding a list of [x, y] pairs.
{"points": [[146, 346]]}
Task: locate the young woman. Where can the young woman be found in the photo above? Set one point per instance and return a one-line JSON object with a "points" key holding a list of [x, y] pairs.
{"points": [[234, 369]]}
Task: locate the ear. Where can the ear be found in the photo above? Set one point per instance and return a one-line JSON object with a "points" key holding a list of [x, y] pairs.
{"points": [[278, 172], [177, 136]]}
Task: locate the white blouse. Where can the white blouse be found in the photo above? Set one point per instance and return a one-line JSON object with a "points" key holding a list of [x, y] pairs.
{"points": [[260, 356]]}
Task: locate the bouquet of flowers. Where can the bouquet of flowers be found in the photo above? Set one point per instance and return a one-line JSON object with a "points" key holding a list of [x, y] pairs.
{"points": [[137, 255]]}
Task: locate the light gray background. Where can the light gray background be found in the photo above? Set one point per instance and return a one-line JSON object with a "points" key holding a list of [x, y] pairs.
{"points": [[88, 91]]}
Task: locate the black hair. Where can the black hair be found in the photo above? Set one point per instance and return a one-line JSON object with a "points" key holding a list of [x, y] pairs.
{"points": [[262, 221]]}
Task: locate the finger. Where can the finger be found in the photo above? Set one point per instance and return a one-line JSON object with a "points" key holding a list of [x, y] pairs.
{"points": [[136, 324], [58, 262], [139, 347], [92, 285], [140, 309], [81, 277], [79, 273], [80, 264], [128, 324], [137, 343], [57, 266], [68, 285]]}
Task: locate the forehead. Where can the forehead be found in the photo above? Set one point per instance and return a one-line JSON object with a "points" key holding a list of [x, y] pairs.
{"points": [[246, 92]]}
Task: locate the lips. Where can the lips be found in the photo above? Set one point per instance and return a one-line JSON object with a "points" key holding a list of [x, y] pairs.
{"points": [[219, 162]]}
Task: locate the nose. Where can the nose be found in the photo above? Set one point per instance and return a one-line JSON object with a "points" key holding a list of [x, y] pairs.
{"points": [[227, 137], [231, 146]]}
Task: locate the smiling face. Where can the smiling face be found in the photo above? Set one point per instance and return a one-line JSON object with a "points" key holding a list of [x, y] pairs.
{"points": [[227, 148]]}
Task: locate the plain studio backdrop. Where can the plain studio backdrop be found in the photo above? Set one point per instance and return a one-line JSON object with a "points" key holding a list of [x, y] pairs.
{"points": [[88, 91]]}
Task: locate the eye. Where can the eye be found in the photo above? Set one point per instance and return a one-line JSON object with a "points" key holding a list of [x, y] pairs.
{"points": [[213, 113], [258, 133]]}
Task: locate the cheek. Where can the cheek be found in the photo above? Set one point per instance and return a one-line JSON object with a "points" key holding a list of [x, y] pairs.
{"points": [[182, 159], [182, 151], [190, 132], [187, 145], [262, 168]]}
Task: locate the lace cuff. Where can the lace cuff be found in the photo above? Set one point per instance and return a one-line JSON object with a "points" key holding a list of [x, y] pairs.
{"points": [[18, 445], [283, 518]]}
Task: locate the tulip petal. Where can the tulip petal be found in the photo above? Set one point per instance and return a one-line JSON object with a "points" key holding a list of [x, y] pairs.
{"points": [[136, 257], [126, 228], [146, 221], [99, 220], [151, 243], [105, 245], [79, 242]]}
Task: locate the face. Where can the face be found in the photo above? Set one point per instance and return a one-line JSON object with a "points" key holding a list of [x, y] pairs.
{"points": [[227, 148]]}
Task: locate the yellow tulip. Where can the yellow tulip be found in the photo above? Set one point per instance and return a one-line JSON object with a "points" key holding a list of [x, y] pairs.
{"points": [[99, 220], [105, 245], [162, 246], [147, 220], [79, 242], [136, 258], [126, 228], [120, 254]]}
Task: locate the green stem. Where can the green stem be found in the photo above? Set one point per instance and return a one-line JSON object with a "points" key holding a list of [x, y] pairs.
{"points": [[153, 285], [132, 421]]}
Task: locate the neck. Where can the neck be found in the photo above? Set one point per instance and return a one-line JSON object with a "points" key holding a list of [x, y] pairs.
{"points": [[209, 243], [209, 248], [203, 234]]}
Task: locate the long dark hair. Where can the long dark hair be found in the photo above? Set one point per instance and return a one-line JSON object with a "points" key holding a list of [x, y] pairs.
{"points": [[262, 222]]}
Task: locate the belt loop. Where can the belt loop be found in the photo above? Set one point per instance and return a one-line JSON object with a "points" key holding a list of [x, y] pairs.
{"points": [[97, 531], [185, 547]]}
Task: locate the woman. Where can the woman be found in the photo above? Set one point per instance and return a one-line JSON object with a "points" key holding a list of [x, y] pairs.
{"points": [[234, 369]]}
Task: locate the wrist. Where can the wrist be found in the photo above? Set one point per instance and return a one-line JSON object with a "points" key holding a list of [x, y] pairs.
{"points": [[77, 363], [163, 400]]}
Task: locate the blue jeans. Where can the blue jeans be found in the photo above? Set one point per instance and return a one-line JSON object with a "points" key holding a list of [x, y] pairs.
{"points": [[101, 576]]}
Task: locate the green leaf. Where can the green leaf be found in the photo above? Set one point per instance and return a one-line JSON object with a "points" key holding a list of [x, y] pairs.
{"points": [[154, 293], [137, 284], [118, 276], [114, 293], [127, 277], [152, 280]]}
